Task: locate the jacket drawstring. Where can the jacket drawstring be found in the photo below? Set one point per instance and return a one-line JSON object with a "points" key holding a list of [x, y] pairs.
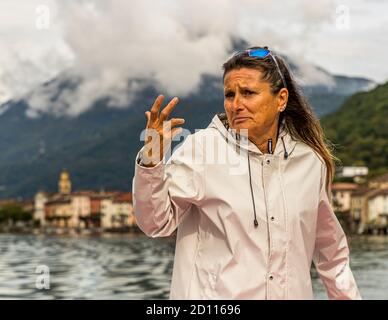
{"points": [[269, 145], [253, 198], [255, 222], [285, 150]]}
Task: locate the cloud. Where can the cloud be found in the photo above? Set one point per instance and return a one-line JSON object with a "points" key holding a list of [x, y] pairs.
{"points": [[115, 48], [169, 43], [28, 56], [146, 40]]}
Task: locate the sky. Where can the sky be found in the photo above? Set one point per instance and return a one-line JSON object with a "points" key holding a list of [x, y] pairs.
{"points": [[116, 47]]}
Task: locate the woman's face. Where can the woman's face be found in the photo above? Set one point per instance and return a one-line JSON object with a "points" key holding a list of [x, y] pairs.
{"points": [[249, 102]]}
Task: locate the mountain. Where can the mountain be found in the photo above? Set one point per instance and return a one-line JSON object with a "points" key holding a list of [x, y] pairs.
{"points": [[360, 130], [99, 146], [327, 92]]}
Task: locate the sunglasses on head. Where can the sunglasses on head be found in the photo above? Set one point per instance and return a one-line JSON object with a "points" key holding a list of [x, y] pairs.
{"points": [[262, 53]]}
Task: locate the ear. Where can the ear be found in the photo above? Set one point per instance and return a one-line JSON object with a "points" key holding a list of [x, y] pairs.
{"points": [[282, 98]]}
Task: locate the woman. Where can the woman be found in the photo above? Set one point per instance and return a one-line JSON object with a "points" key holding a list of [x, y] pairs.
{"points": [[251, 233]]}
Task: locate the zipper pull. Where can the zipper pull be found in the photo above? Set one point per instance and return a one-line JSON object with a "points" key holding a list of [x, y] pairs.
{"points": [[269, 145]]}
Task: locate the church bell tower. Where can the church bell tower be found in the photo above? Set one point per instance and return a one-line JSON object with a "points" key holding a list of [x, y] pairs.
{"points": [[64, 184]]}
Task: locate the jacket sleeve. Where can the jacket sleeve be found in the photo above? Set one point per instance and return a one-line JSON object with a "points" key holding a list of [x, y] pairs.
{"points": [[331, 254], [164, 194]]}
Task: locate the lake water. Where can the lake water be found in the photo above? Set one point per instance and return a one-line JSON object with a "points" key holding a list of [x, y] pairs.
{"points": [[136, 267]]}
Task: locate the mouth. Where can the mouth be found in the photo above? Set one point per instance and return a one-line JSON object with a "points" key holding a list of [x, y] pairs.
{"points": [[240, 119]]}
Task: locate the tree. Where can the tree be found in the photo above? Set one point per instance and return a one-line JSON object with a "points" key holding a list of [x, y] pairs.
{"points": [[14, 212]]}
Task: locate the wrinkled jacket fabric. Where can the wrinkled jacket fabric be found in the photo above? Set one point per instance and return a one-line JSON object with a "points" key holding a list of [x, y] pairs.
{"points": [[219, 253]]}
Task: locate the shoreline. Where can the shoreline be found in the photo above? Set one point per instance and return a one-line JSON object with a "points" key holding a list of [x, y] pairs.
{"points": [[69, 231]]}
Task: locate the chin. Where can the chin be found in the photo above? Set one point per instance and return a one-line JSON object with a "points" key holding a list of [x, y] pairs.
{"points": [[242, 127]]}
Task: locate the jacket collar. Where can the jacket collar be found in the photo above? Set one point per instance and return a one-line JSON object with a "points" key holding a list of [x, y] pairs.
{"points": [[220, 123]]}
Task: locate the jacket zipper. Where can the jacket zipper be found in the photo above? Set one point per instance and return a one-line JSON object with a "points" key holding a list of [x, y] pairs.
{"points": [[266, 213]]}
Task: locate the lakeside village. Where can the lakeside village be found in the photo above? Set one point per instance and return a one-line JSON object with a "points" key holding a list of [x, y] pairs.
{"points": [[360, 205], [68, 212]]}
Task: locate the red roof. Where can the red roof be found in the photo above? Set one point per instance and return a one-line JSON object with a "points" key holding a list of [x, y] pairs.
{"points": [[370, 193], [381, 192], [123, 197], [344, 186], [84, 193]]}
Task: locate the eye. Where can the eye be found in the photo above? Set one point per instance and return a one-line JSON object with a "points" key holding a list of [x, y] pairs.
{"points": [[248, 92], [229, 94]]}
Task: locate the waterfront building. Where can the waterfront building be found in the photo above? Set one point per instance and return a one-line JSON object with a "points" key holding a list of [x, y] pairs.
{"points": [[380, 182], [83, 209], [342, 195]]}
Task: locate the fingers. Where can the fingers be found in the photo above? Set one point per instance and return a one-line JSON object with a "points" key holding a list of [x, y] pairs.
{"points": [[177, 121], [167, 110], [154, 121], [155, 108], [175, 131], [170, 124], [171, 132], [148, 114]]}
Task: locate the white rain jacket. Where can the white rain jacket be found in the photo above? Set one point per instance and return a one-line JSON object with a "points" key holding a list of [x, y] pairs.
{"points": [[211, 198]]}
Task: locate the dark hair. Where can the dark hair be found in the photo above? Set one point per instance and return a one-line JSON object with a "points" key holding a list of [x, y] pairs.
{"points": [[300, 120]]}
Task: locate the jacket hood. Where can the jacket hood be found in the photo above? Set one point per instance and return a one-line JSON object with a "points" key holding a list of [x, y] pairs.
{"points": [[285, 144]]}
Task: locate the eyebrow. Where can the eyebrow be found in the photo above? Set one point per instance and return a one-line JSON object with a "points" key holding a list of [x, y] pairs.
{"points": [[247, 88], [242, 88]]}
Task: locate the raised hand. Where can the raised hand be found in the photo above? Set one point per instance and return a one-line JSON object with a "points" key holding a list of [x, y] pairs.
{"points": [[159, 131]]}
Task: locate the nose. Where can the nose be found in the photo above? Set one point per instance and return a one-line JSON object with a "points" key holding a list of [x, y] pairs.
{"points": [[237, 103]]}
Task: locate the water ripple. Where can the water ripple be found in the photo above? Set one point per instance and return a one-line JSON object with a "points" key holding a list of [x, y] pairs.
{"points": [[136, 267]]}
